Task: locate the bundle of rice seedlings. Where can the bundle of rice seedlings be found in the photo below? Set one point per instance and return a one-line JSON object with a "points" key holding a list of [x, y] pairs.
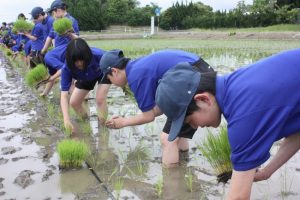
{"points": [[216, 150], [36, 75], [3, 33], [63, 25], [9, 52], [22, 26], [72, 153]]}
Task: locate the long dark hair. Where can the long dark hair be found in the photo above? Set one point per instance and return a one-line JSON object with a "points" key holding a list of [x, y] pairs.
{"points": [[78, 49]]}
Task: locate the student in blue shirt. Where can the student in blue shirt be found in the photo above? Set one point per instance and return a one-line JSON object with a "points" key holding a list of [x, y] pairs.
{"points": [[142, 76], [55, 58], [82, 64], [46, 20], [260, 102], [20, 38], [37, 37]]}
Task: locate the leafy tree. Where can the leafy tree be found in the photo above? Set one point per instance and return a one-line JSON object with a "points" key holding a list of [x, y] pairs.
{"points": [[291, 3], [89, 13]]}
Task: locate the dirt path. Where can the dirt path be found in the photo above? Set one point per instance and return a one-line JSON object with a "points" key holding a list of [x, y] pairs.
{"points": [[214, 35]]}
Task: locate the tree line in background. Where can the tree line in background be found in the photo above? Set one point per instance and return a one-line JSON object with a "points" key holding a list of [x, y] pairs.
{"points": [[99, 14]]}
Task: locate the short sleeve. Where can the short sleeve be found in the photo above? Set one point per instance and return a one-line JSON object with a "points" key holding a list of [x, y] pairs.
{"points": [[144, 92], [251, 137], [66, 79]]}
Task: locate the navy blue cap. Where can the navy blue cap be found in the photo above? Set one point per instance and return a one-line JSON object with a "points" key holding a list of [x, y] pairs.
{"points": [[56, 4], [36, 11], [174, 94], [109, 60]]}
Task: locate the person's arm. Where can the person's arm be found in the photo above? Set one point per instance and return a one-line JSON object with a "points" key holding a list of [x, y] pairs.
{"points": [[101, 96], [46, 45], [55, 76], [30, 37], [72, 35], [288, 148], [145, 117], [241, 184], [64, 103]]}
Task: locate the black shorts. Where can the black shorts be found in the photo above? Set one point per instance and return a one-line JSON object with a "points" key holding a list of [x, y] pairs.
{"points": [[88, 85], [186, 131]]}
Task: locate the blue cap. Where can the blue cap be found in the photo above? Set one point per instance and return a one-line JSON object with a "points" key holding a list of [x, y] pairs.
{"points": [[56, 4], [174, 94], [36, 11], [109, 60]]}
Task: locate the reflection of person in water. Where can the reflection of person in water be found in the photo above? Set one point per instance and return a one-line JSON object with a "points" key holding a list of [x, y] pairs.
{"points": [[260, 102]]}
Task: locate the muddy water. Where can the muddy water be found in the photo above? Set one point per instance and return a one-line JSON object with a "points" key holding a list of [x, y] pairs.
{"points": [[29, 170], [127, 161]]}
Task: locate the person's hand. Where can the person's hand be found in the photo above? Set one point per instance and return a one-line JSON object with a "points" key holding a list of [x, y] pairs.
{"points": [[43, 52], [69, 127], [260, 175], [115, 123]]}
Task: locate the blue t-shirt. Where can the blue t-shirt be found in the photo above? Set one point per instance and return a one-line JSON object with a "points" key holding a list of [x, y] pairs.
{"points": [[92, 72], [261, 103], [144, 73], [64, 39], [38, 32], [47, 25]]}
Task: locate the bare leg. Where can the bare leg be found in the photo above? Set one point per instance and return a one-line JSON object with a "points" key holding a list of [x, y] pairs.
{"points": [[288, 148], [170, 151], [76, 101], [183, 144], [101, 95]]}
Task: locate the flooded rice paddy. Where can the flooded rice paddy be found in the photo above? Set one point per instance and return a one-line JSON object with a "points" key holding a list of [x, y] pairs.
{"points": [[126, 163]]}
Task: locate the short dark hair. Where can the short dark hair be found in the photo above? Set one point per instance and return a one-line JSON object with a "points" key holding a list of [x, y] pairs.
{"points": [[21, 16], [207, 84], [78, 49], [121, 65]]}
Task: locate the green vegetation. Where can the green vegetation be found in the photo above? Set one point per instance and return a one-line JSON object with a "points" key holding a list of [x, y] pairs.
{"points": [[137, 161], [36, 75], [72, 153], [159, 187], [9, 52], [21, 26], [216, 149], [118, 186], [96, 15], [62, 26], [189, 180]]}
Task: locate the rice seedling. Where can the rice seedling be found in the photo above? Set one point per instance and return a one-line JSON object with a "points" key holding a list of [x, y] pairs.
{"points": [[216, 150], [51, 110], [137, 161], [67, 129], [102, 115], [189, 180], [9, 52], [118, 186], [62, 26], [285, 186], [85, 127], [72, 153], [36, 75], [159, 187], [129, 93], [21, 26]]}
